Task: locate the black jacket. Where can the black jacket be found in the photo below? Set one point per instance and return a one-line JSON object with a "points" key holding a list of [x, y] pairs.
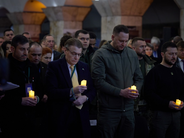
{"points": [[15, 116]]}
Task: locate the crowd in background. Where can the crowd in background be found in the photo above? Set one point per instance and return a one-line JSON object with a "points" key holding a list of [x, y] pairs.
{"points": [[61, 108]]}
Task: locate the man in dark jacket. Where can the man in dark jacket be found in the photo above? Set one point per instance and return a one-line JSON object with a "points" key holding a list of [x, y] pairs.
{"points": [[115, 68], [19, 108], [50, 43], [163, 85], [68, 98], [87, 50], [141, 110]]}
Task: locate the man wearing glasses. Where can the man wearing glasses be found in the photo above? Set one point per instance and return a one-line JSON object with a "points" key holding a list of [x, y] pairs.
{"points": [[68, 99], [8, 35]]}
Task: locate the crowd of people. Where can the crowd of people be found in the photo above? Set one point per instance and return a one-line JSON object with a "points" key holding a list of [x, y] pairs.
{"points": [[78, 81]]}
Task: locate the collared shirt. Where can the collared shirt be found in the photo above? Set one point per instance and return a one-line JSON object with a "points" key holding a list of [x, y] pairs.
{"points": [[181, 64], [70, 72], [52, 58], [155, 54]]}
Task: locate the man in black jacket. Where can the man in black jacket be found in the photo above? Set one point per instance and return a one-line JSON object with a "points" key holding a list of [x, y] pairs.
{"points": [[163, 85], [19, 108], [87, 50], [34, 55], [50, 43]]}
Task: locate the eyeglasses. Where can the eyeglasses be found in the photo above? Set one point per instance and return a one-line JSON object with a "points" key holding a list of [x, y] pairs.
{"points": [[74, 53]]}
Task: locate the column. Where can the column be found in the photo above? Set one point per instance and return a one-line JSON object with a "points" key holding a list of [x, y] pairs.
{"points": [[27, 22], [180, 4], [65, 19], [115, 12]]}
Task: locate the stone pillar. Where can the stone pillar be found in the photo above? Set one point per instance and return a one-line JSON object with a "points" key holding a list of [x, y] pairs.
{"points": [[65, 19], [117, 12], [180, 4], [27, 22]]}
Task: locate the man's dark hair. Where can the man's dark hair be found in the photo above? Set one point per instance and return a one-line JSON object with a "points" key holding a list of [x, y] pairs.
{"points": [[120, 28], [73, 42], [92, 35], [25, 33], [166, 45], [4, 46], [7, 30], [19, 39], [80, 31], [135, 39], [180, 44], [64, 39]]}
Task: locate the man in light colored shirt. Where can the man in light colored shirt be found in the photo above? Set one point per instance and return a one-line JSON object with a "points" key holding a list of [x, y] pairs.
{"points": [[180, 54], [50, 43]]}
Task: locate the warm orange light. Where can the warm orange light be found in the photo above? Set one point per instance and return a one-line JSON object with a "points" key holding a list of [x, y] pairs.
{"points": [[85, 3], [35, 6], [178, 102]]}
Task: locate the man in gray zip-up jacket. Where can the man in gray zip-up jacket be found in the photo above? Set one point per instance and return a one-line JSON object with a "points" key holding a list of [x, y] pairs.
{"points": [[115, 68]]}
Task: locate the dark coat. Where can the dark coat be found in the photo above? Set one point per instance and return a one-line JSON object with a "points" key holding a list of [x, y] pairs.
{"points": [[60, 107], [158, 59], [18, 119], [56, 55]]}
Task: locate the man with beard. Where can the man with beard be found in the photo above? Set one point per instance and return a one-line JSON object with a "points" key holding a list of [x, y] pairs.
{"points": [[145, 64], [115, 68], [34, 55], [19, 109], [163, 85]]}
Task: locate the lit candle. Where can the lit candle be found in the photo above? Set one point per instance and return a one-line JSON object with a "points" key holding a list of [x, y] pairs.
{"points": [[178, 102], [133, 87], [31, 94], [83, 82]]}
